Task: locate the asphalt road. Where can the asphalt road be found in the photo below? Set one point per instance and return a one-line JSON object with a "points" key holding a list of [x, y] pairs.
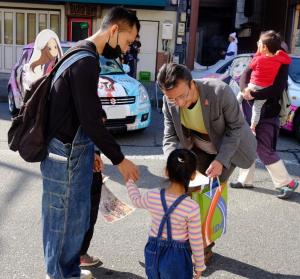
{"points": [[262, 240]]}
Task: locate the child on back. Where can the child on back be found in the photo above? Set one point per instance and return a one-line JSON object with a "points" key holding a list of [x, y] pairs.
{"points": [[175, 232], [265, 66]]}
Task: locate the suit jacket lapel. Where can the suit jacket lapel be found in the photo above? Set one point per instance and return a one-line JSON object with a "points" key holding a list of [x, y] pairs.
{"points": [[205, 105]]}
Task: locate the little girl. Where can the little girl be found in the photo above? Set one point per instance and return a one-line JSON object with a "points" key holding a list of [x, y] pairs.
{"points": [[175, 232]]}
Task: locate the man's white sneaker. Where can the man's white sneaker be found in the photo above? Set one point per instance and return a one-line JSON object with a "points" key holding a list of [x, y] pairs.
{"points": [[84, 274]]}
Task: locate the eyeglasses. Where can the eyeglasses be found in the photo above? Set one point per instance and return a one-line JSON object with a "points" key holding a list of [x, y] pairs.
{"points": [[174, 101]]}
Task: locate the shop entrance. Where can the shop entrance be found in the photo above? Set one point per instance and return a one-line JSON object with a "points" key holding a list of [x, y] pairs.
{"points": [[79, 29]]}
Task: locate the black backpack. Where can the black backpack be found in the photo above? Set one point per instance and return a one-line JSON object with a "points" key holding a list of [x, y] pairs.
{"points": [[27, 133]]}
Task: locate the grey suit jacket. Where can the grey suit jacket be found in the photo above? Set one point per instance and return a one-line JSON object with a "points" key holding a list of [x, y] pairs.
{"points": [[223, 120]]}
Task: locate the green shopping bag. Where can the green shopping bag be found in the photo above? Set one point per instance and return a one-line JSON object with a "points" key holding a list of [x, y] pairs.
{"points": [[213, 208]]}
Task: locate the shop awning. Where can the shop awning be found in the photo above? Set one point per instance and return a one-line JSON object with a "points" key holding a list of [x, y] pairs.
{"points": [[159, 3]]}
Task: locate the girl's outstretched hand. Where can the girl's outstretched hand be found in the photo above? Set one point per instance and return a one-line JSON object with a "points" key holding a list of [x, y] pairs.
{"points": [[197, 274]]}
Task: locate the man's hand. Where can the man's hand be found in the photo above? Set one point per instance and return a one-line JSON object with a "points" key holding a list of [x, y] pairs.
{"points": [[247, 94], [98, 164], [128, 170], [215, 169]]}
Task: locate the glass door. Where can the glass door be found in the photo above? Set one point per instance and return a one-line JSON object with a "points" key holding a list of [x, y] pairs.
{"points": [[79, 29]]}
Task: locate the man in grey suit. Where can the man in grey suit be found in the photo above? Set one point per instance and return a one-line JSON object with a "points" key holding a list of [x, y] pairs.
{"points": [[204, 115]]}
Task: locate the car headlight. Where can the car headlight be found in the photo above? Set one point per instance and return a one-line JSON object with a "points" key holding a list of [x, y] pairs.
{"points": [[143, 95]]}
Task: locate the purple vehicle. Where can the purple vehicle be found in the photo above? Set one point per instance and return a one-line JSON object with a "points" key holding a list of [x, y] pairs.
{"points": [[230, 71], [14, 87]]}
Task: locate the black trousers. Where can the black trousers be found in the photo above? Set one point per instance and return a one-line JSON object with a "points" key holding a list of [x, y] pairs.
{"points": [[204, 160], [95, 201]]}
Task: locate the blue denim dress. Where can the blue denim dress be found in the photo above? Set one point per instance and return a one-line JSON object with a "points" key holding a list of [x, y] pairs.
{"points": [[67, 178], [168, 258]]}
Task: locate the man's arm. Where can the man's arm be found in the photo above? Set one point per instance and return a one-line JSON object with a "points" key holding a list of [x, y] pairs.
{"points": [[170, 140], [234, 122], [84, 83], [84, 77], [245, 78]]}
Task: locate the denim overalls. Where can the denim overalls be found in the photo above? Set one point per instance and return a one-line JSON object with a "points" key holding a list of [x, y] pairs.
{"points": [[168, 259], [67, 177]]}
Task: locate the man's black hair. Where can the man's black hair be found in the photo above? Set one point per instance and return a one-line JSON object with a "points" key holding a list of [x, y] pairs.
{"points": [[170, 74], [122, 17]]}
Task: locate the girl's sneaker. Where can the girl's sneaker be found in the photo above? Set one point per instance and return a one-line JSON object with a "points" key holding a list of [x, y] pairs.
{"points": [[285, 192], [87, 260]]}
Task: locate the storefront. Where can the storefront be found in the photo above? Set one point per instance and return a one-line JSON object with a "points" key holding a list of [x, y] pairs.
{"points": [[19, 25], [75, 20]]}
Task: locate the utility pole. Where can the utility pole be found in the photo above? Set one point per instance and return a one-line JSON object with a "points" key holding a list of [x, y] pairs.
{"points": [[193, 33]]}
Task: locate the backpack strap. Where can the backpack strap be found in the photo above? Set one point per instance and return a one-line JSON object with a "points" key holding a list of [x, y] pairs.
{"points": [[168, 211], [68, 54], [70, 60], [67, 60]]}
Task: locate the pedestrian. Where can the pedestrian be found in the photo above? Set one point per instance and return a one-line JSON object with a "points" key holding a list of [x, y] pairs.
{"points": [[175, 233], [267, 131], [204, 115], [264, 66], [47, 50], [131, 56], [232, 48], [75, 122]]}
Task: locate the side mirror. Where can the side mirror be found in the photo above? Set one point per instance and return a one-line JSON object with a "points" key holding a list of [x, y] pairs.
{"points": [[126, 68]]}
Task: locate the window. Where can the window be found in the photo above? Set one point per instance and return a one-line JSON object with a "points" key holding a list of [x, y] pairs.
{"points": [[294, 69], [31, 28], [54, 24], [8, 28], [20, 19], [42, 22]]}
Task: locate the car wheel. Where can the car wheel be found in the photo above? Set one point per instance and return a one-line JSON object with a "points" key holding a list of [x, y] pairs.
{"points": [[297, 127], [11, 103]]}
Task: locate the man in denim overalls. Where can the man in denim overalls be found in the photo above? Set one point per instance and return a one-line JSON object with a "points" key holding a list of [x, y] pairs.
{"points": [[75, 121]]}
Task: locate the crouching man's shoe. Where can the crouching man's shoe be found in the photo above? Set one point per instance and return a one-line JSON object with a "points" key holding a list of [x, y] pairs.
{"points": [[239, 185]]}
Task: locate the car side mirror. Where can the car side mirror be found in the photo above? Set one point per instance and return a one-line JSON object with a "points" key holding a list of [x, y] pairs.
{"points": [[126, 68]]}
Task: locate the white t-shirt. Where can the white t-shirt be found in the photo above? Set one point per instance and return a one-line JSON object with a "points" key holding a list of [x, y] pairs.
{"points": [[232, 48]]}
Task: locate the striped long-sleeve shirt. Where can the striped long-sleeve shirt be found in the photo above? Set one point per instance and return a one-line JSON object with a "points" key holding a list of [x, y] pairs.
{"points": [[185, 219]]}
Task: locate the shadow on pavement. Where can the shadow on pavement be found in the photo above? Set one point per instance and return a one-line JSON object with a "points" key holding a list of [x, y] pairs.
{"points": [[143, 182], [103, 273], [242, 269], [294, 198]]}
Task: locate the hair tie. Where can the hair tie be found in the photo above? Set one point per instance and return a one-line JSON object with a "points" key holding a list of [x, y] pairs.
{"points": [[180, 160]]}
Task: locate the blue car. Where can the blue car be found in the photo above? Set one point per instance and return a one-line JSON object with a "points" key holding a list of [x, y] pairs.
{"points": [[124, 99]]}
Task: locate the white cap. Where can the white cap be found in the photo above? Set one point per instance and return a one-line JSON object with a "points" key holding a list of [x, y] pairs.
{"points": [[199, 180]]}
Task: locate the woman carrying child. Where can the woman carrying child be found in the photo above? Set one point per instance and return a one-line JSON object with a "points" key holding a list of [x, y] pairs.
{"points": [[265, 66]]}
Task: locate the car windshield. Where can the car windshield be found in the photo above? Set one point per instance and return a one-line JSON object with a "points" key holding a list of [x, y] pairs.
{"points": [[110, 67], [294, 69], [64, 49]]}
